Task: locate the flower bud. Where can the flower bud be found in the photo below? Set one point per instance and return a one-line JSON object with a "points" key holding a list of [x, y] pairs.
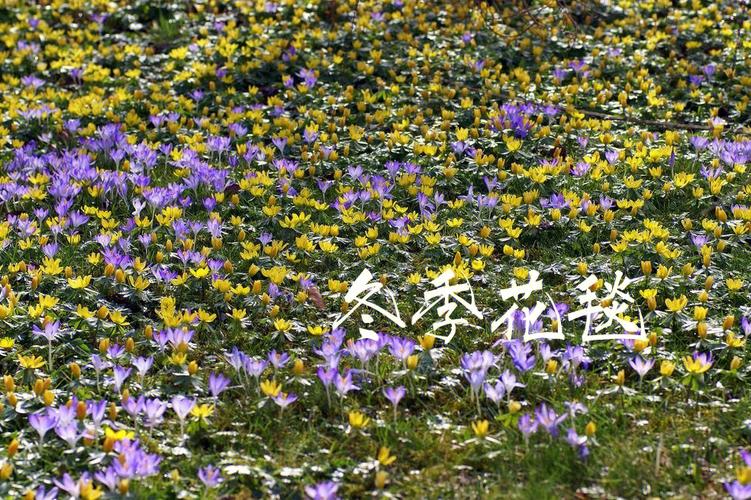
{"points": [[701, 329], [381, 478], [551, 367], [75, 370], [735, 363], [646, 267], [48, 397], [427, 341], [666, 368], [620, 378], [298, 368], [590, 429], [10, 385], [412, 361], [13, 447], [192, 367], [728, 322]]}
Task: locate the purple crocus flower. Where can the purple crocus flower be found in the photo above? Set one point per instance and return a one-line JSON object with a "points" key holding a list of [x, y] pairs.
{"points": [[218, 383], [641, 366], [210, 476], [322, 491], [548, 418], [394, 394], [42, 423]]}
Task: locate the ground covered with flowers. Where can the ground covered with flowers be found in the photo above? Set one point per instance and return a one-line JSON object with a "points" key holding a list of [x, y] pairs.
{"points": [[189, 191]]}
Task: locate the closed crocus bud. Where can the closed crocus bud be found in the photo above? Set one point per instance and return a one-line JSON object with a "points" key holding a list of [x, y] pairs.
{"points": [[38, 387], [241, 235], [596, 248], [720, 214], [620, 378], [75, 370], [646, 267], [412, 361], [108, 445], [701, 329], [703, 296], [104, 344], [120, 276], [6, 470], [12, 399], [721, 245], [192, 367], [168, 245], [427, 341], [48, 397], [551, 367], [590, 429], [125, 396], [123, 486], [109, 270], [381, 478], [652, 339], [228, 267], [582, 268], [735, 363], [298, 368], [708, 282], [10, 384], [68, 272], [113, 411], [216, 243], [130, 345], [687, 269], [514, 406], [13, 447], [102, 312], [652, 303], [159, 257], [613, 234], [148, 332], [35, 282], [81, 410], [257, 287], [728, 322]]}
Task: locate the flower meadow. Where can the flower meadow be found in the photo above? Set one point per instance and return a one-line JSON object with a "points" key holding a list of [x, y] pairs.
{"points": [[189, 192]]}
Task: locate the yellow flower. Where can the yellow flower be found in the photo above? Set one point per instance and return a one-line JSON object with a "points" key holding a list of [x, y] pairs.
{"points": [[666, 368], [80, 282], [734, 342], [83, 312], [118, 318], [734, 284], [271, 388], [316, 330], [480, 428], [282, 325], [7, 343], [202, 412], [677, 304], [200, 273], [31, 362], [384, 456], [118, 435], [357, 420], [695, 366]]}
